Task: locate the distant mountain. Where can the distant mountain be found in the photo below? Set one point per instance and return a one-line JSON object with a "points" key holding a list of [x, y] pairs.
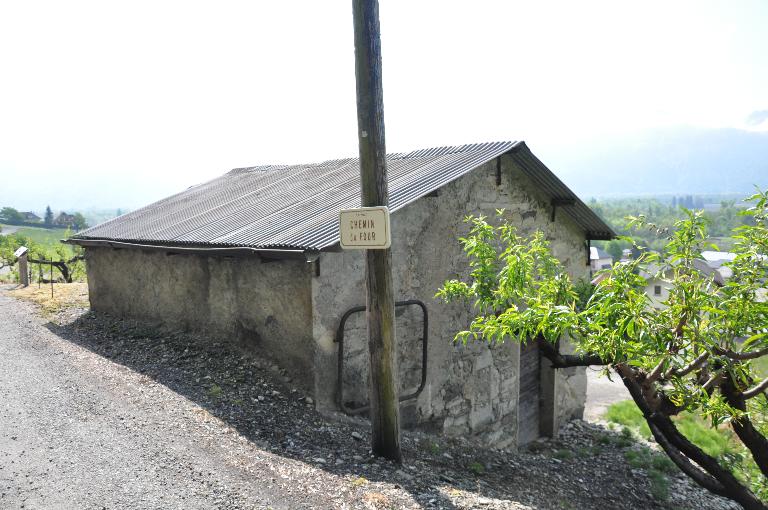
{"points": [[674, 161]]}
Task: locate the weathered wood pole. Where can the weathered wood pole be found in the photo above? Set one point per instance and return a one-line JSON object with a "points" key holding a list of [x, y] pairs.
{"points": [[23, 271], [385, 409]]}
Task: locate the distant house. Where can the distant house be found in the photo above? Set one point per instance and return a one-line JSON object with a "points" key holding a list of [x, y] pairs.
{"points": [[599, 259], [711, 264], [626, 254], [30, 217], [65, 220], [254, 256], [656, 285]]}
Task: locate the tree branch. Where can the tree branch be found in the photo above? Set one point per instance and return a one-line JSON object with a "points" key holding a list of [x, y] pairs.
{"points": [[715, 379], [742, 355], [749, 435], [693, 365], [61, 265], [685, 465], [559, 360], [757, 390], [656, 372], [714, 477], [704, 479]]}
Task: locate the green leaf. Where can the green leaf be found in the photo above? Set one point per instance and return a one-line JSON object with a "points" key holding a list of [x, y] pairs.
{"points": [[752, 340]]}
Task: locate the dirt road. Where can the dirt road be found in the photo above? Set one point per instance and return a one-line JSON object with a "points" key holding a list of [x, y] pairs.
{"points": [[601, 393], [78, 431]]}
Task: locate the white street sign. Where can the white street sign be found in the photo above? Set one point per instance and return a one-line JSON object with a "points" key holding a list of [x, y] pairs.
{"points": [[366, 228], [21, 251]]}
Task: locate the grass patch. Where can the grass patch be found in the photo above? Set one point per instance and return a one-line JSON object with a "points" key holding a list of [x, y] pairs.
{"points": [[761, 366], [715, 442], [476, 468], [430, 446], [49, 237], [658, 467], [584, 452], [65, 295], [719, 442], [627, 414], [563, 454], [659, 485], [646, 459], [215, 391]]}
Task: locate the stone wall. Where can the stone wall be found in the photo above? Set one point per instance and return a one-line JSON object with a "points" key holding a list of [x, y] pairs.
{"points": [[264, 306], [471, 389], [290, 310]]}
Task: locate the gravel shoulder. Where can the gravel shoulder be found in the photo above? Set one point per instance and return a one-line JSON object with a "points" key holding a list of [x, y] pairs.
{"points": [[97, 412]]}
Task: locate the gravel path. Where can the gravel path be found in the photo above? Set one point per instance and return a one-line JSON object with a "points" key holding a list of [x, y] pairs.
{"points": [[78, 431], [102, 413], [9, 229]]}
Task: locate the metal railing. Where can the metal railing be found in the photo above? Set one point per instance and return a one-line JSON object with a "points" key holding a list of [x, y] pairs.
{"points": [[340, 340]]}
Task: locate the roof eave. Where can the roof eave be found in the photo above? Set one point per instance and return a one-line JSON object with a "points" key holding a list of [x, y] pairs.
{"points": [[594, 227], [226, 251]]}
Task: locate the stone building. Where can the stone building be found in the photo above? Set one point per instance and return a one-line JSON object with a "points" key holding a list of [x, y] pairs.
{"points": [[254, 256]]}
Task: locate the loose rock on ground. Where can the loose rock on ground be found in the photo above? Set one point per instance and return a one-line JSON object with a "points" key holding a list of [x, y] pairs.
{"points": [[99, 412]]}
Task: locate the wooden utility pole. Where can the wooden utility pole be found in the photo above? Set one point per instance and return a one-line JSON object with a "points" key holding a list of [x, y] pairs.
{"points": [[380, 303]]}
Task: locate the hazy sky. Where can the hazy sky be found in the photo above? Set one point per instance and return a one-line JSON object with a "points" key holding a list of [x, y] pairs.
{"points": [[117, 104]]}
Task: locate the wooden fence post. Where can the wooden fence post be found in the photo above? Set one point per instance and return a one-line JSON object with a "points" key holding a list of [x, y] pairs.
{"points": [[23, 271]]}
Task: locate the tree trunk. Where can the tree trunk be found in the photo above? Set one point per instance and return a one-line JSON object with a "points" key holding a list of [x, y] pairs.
{"points": [[682, 452], [694, 462], [749, 435], [61, 265]]}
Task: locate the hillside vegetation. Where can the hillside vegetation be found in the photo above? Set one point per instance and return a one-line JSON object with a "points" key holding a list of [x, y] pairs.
{"points": [[43, 244], [721, 215]]}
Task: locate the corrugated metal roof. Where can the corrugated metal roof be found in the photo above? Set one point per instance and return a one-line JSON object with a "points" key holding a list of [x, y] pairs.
{"points": [[297, 206]]}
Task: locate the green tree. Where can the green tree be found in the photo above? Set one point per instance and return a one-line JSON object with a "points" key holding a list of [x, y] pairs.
{"points": [[79, 222], [614, 249], [697, 355], [11, 215], [8, 245], [68, 261], [48, 218]]}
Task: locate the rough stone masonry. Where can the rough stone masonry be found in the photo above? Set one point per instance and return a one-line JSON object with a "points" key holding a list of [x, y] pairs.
{"points": [[290, 310]]}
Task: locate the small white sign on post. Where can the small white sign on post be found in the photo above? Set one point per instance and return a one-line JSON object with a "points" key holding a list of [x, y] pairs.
{"points": [[21, 251], [366, 228]]}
